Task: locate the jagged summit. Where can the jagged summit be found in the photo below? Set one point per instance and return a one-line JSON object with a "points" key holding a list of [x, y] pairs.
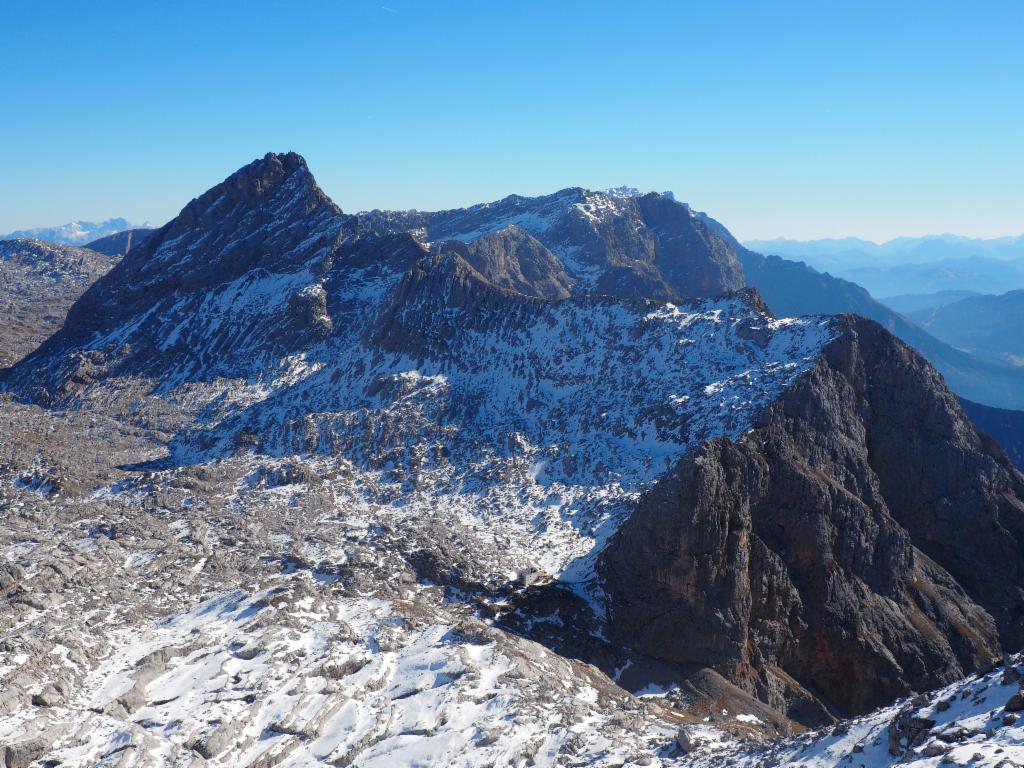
{"points": [[261, 177], [270, 217], [265, 184], [632, 246], [248, 268]]}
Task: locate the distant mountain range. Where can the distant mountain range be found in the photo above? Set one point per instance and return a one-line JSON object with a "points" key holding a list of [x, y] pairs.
{"points": [[908, 303], [987, 326], [911, 264], [72, 233], [795, 288], [1004, 426], [853, 250], [978, 274]]}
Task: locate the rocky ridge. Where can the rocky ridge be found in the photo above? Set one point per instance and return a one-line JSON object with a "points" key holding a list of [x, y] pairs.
{"points": [[802, 562], [329, 489], [630, 246]]}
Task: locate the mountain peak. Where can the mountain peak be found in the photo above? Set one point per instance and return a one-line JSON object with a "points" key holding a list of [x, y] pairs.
{"points": [[289, 160], [262, 179], [269, 215]]}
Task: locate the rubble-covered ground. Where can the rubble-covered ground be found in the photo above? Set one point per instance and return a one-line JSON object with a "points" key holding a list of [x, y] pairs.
{"points": [[241, 614], [252, 611]]}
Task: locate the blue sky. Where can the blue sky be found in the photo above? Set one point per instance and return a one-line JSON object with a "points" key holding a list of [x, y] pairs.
{"points": [[797, 119]]}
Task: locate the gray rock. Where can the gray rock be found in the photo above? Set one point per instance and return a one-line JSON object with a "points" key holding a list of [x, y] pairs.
{"points": [[776, 551], [935, 749], [23, 753], [907, 732], [11, 575], [48, 697]]}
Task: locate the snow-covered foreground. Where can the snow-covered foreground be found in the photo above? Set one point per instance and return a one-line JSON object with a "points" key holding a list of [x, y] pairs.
{"points": [[300, 672], [294, 675]]}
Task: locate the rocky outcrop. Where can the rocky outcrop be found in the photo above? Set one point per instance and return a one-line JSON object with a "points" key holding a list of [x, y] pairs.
{"points": [[120, 243], [438, 301], [511, 258], [628, 246], [863, 542]]}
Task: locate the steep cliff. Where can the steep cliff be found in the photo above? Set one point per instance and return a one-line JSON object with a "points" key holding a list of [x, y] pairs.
{"points": [[862, 542]]}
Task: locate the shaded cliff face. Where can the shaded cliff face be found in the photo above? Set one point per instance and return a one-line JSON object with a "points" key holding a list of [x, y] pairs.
{"points": [[863, 542], [511, 258], [1006, 427], [269, 215], [120, 243]]}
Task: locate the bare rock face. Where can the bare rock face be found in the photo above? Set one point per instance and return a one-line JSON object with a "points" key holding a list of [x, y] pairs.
{"points": [[513, 259], [120, 243], [681, 232], [633, 246], [268, 215], [863, 542]]}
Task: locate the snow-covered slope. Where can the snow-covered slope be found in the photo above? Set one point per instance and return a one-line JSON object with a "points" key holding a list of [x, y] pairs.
{"points": [[977, 722], [537, 421], [512, 424], [290, 676], [270, 621]]}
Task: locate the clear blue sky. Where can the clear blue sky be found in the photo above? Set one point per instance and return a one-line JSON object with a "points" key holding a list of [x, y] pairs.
{"points": [[802, 119]]}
